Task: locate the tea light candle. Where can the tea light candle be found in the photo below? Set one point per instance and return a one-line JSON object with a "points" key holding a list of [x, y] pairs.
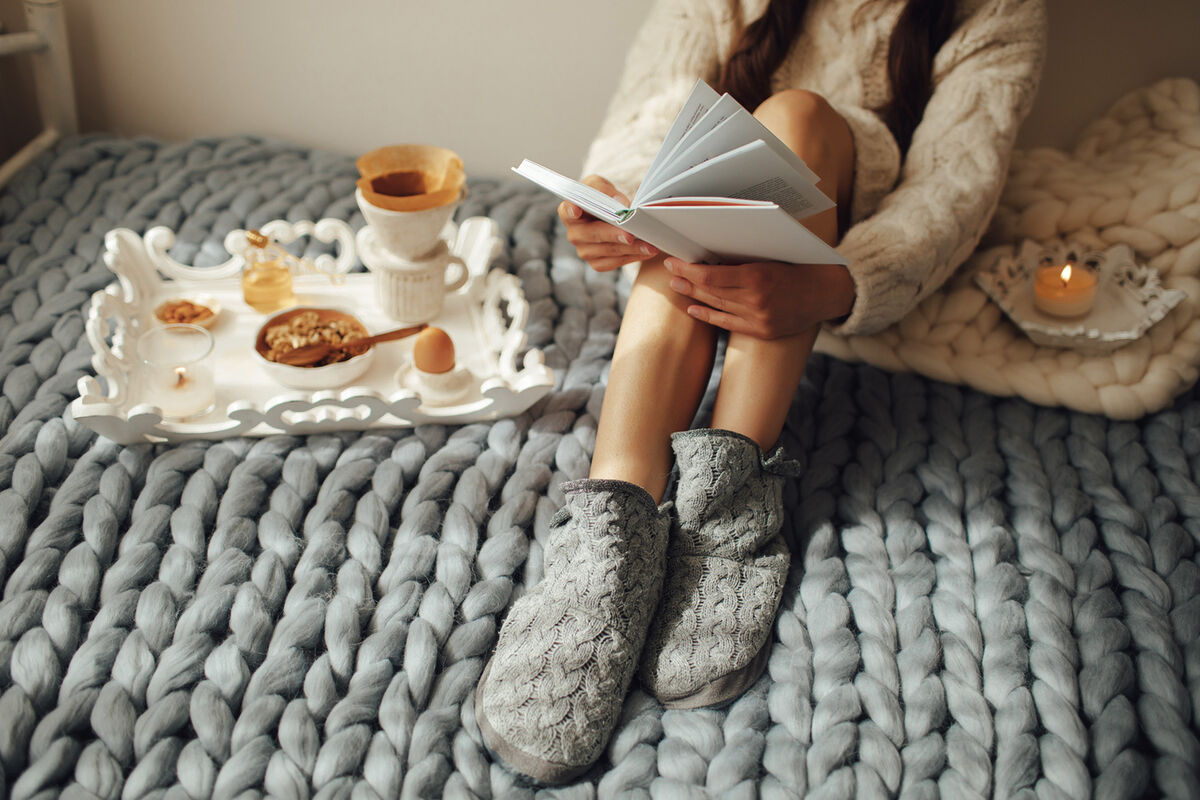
{"points": [[1064, 291], [177, 370]]}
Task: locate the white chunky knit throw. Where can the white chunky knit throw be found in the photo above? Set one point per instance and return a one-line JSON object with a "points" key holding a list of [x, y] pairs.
{"points": [[1133, 178], [987, 598]]}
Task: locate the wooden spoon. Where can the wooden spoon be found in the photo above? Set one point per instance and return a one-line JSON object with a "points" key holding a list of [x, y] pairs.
{"points": [[310, 354]]}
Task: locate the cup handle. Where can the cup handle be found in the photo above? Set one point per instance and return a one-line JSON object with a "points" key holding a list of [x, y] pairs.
{"points": [[460, 278]]}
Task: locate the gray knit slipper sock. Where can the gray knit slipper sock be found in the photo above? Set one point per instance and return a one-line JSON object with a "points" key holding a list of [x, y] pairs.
{"points": [[727, 564], [551, 695]]}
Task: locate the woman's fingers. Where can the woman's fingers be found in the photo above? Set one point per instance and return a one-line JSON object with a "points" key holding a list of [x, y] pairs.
{"points": [[725, 300], [722, 319], [730, 295], [718, 286], [606, 186], [608, 264], [716, 276], [569, 212], [589, 232], [724, 309], [605, 257], [597, 241], [591, 250], [603, 246]]}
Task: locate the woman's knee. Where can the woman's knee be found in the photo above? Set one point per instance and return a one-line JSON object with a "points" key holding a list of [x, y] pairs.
{"points": [[814, 130], [804, 119], [797, 108]]}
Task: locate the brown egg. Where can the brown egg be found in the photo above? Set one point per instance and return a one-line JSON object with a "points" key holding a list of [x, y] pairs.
{"points": [[433, 351]]}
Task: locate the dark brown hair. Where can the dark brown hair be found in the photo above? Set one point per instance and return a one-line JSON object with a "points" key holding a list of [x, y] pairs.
{"points": [[921, 30]]}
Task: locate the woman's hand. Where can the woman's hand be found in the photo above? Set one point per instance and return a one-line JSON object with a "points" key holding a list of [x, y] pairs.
{"points": [[766, 300], [604, 246]]}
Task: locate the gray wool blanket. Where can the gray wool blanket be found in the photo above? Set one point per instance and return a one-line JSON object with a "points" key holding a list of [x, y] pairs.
{"points": [[987, 598]]}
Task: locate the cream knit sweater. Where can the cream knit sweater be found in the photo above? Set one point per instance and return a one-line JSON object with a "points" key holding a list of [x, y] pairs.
{"points": [[912, 223]]}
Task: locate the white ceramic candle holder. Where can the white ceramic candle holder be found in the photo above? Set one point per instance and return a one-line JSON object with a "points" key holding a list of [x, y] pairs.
{"points": [[1129, 298]]}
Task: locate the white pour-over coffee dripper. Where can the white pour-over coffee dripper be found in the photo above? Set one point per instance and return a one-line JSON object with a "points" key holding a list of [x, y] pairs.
{"points": [[407, 193], [411, 235]]}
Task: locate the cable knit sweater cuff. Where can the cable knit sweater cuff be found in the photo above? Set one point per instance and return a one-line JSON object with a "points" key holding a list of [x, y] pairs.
{"points": [[876, 160], [883, 291]]}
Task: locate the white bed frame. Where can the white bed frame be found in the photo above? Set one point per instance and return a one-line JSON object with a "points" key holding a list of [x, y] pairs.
{"points": [[46, 41]]}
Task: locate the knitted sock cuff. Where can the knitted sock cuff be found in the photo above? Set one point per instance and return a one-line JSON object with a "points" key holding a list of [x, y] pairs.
{"points": [[634, 493], [777, 462]]}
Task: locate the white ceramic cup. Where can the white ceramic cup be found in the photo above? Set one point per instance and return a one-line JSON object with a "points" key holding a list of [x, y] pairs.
{"points": [[412, 290], [410, 235]]}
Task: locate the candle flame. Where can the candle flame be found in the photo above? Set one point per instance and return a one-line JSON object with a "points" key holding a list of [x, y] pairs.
{"points": [[1065, 274], [181, 377]]}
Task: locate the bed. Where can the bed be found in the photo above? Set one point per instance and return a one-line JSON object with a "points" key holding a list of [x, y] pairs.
{"points": [[988, 597]]}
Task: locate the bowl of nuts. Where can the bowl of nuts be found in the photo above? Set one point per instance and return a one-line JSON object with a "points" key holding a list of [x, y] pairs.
{"points": [[299, 327], [197, 309]]}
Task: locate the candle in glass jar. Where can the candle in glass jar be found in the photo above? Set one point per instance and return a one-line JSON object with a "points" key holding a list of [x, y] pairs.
{"points": [[1064, 291], [177, 370]]}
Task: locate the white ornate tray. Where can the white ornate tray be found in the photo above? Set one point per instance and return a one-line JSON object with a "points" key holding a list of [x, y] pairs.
{"points": [[1129, 302], [486, 320]]}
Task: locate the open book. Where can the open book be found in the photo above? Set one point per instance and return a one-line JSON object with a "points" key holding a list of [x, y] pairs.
{"points": [[722, 189]]}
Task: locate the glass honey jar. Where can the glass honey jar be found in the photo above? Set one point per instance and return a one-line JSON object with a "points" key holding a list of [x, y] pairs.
{"points": [[267, 275]]}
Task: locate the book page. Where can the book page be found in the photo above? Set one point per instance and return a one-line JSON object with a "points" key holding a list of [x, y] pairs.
{"points": [[737, 234], [735, 130], [687, 202], [605, 208], [753, 172], [591, 200], [665, 163], [694, 108], [665, 238]]}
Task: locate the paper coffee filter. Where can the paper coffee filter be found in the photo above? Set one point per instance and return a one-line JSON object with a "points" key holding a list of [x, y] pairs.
{"points": [[422, 176]]}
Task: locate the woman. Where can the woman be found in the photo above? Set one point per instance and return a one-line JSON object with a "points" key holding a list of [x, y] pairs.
{"points": [[907, 110]]}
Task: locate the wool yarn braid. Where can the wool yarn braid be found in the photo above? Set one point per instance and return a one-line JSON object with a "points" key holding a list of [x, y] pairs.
{"points": [[1053, 654], [987, 598]]}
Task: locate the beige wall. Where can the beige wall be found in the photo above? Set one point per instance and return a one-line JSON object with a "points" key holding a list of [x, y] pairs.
{"points": [[496, 81], [1102, 49]]}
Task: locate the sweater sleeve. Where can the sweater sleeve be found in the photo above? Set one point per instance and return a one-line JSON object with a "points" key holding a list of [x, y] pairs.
{"points": [[985, 76], [676, 45]]}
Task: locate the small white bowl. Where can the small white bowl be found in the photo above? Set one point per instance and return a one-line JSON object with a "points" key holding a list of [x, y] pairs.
{"points": [[208, 301], [329, 376]]}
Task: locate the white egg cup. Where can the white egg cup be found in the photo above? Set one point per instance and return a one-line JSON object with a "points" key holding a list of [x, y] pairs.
{"points": [[439, 388]]}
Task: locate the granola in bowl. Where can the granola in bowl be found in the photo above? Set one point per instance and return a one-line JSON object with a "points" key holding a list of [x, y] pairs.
{"points": [[298, 327]]}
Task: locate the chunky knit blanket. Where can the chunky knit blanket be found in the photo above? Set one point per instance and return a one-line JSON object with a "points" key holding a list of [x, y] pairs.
{"points": [[987, 598]]}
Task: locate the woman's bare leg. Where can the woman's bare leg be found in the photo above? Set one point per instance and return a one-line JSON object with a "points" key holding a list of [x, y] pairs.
{"points": [[664, 356], [659, 371], [760, 376]]}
